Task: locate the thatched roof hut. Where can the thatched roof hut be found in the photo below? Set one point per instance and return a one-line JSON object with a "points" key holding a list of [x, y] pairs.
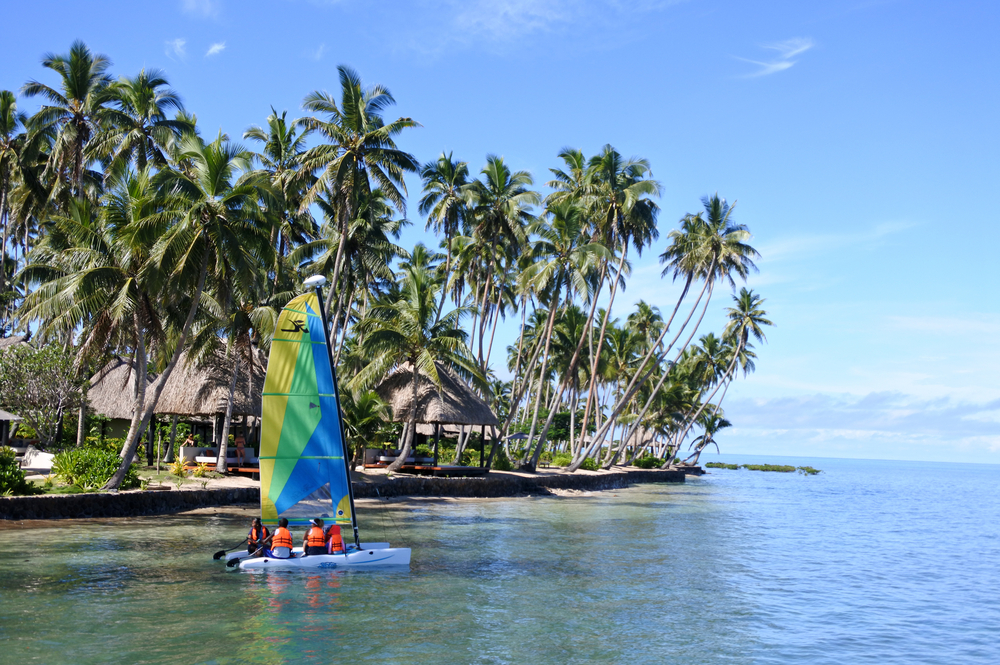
{"points": [[454, 404], [202, 389], [14, 340], [641, 437], [112, 389]]}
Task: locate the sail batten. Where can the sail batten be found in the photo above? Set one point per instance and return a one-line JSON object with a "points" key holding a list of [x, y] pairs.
{"points": [[303, 472]]}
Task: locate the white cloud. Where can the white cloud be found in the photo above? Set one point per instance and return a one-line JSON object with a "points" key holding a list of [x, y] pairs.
{"points": [[175, 48], [787, 50], [206, 8], [215, 49]]}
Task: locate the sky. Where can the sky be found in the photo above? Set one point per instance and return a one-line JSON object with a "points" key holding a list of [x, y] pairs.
{"points": [[859, 140]]}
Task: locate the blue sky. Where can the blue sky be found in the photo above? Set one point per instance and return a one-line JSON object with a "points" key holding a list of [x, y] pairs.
{"points": [[859, 139]]}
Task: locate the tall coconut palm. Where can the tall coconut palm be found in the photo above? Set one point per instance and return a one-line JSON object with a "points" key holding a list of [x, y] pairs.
{"points": [[12, 124], [136, 127], [360, 152], [445, 202], [219, 235], [407, 330], [78, 109]]}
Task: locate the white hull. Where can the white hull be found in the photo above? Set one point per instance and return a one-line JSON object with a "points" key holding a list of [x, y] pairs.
{"points": [[354, 560], [243, 554]]}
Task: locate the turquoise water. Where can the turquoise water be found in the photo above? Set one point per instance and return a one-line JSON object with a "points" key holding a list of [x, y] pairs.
{"points": [[869, 562]]}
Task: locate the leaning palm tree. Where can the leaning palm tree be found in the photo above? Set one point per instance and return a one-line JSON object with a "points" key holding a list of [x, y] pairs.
{"points": [[712, 423], [407, 330], [78, 109]]}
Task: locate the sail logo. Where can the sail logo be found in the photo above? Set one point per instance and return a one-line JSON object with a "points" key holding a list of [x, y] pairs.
{"points": [[298, 326]]}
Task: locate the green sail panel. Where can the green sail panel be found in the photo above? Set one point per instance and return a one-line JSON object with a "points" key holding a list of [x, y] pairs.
{"points": [[302, 467]]}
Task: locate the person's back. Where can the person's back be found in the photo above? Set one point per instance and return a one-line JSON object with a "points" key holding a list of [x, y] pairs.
{"points": [[281, 541], [315, 540]]}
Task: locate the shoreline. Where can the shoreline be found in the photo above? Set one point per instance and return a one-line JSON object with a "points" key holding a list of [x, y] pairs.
{"points": [[234, 490]]}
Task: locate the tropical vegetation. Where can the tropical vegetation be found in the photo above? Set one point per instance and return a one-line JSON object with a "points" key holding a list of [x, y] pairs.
{"points": [[128, 231]]}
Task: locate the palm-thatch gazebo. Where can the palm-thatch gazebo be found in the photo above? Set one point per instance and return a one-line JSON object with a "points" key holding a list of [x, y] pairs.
{"points": [[5, 420], [454, 403], [199, 388]]}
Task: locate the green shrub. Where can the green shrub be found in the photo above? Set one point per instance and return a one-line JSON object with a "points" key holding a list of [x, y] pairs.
{"points": [[722, 465], [201, 471], [780, 468], [808, 471], [589, 464], [90, 468], [177, 467], [562, 459], [648, 462], [109, 444], [12, 480], [501, 462]]}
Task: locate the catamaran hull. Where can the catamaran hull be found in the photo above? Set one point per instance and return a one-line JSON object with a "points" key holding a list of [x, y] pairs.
{"points": [[356, 560], [243, 554]]}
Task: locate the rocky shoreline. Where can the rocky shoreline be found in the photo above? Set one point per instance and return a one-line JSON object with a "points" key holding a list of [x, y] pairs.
{"points": [[150, 502]]}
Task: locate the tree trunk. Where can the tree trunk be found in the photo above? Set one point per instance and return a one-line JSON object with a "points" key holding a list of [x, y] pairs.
{"points": [[81, 423], [221, 465], [168, 456], [138, 425], [411, 424]]}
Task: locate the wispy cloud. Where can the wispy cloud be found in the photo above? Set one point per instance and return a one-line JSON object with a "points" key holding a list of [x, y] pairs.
{"points": [[176, 48], [888, 423], [206, 8], [215, 49], [803, 246], [317, 53], [788, 49]]}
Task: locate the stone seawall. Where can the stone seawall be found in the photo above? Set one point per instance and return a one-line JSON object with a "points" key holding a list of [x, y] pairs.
{"points": [[497, 484]]}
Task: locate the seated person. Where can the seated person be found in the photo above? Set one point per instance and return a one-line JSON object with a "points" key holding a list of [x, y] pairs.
{"points": [[258, 537], [334, 543], [315, 540], [281, 542]]}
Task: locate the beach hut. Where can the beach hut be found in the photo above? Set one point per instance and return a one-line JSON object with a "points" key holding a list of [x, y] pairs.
{"points": [[455, 403], [112, 394], [5, 420], [199, 390], [14, 340]]}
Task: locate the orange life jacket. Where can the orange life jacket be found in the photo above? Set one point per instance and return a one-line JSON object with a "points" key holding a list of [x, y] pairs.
{"points": [[282, 538], [315, 537], [257, 537], [335, 544]]}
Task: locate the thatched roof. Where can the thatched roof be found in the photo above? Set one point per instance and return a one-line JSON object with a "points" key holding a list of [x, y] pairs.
{"points": [[195, 389], [455, 403], [641, 437], [112, 388], [7, 342], [4, 415], [447, 431]]}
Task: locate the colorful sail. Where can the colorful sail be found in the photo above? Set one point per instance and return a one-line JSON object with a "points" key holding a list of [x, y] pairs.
{"points": [[302, 466]]}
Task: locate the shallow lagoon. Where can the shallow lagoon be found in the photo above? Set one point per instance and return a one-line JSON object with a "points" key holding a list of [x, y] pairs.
{"points": [[869, 562]]}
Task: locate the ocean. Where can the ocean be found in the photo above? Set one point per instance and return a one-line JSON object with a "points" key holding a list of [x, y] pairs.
{"points": [[868, 562]]}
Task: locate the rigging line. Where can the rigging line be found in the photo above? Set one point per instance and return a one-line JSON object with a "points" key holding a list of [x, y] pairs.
{"points": [[379, 494]]}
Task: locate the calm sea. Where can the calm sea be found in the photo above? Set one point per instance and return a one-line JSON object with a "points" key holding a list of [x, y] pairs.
{"points": [[869, 562]]}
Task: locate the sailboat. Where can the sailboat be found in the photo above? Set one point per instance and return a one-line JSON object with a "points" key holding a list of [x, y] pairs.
{"points": [[304, 472]]}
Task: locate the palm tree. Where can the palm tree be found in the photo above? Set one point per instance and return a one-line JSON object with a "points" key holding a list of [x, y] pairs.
{"points": [[712, 424], [12, 123], [219, 236], [407, 330], [78, 110], [137, 129], [445, 202], [365, 417], [361, 151]]}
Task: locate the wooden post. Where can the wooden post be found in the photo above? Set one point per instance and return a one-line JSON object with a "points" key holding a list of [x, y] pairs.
{"points": [[437, 438], [482, 445], [5, 434], [493, 448], [149, 441]]}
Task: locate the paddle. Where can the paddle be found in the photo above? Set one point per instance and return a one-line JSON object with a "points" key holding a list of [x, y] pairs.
{"points": [[235, 561], [221, 553]]}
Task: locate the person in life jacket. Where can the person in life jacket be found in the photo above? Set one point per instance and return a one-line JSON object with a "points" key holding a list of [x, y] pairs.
{"points": [[334, 543], [258, 537], [281, 541], [315, 540]]}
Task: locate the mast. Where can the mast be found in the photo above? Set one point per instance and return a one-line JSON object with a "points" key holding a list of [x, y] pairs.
{"points": [[318, 281]]}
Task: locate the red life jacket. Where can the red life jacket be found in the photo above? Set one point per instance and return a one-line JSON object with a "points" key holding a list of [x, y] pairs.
{"points": [[282, 538], [335, 544], [315, 537]]}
